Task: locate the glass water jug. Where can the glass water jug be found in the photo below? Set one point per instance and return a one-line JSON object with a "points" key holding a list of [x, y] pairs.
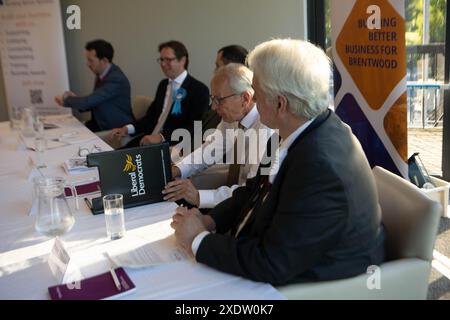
{"points": [[54, 216]]}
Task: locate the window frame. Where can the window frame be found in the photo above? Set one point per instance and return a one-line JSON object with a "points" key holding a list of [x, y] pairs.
{"points": [[316, 34]]}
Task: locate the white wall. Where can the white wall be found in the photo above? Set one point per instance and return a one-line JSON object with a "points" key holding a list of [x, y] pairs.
{"points": [[3, 108], [136, 27]]}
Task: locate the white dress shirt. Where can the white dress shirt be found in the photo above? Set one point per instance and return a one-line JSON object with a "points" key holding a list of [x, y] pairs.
{"points": [[199, 161], [176, 84], [283, 150], [273, 171], [105, 72]]}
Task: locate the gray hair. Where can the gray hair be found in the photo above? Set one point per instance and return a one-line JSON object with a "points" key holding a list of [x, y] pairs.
{"points": [[239, 77], [295, 69]]}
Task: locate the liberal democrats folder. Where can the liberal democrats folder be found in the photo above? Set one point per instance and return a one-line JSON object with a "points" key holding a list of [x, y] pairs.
{"points": [[139, 174]]}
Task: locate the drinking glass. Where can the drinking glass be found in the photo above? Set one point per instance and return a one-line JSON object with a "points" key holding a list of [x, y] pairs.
{"points": [[15, 119], [40, 143], [114, 216], [28, 120]]}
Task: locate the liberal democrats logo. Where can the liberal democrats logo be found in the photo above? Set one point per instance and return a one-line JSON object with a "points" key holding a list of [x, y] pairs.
{"points": [[129, 165], [135, 172]]}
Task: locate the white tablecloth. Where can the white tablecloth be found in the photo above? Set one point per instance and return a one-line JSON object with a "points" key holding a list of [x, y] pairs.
{"points": [[24, 272]]}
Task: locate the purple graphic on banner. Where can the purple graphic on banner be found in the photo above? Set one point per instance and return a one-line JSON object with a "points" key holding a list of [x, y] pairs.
{"points": [[350, 112], [337, 79]]}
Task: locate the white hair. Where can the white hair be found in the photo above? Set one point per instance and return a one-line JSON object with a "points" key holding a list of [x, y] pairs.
{"points": [[239, 77], [295, 69]]}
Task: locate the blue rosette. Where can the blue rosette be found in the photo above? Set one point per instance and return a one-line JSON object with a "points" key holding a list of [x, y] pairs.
{"points": [[178, 96]]}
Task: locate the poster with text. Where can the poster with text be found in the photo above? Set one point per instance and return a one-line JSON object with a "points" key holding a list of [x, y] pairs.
{"points": [[369, 56], [33, 55]]}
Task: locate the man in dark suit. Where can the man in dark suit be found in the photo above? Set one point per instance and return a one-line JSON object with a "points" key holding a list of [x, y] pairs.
{"points": [[231, 54], [179, 101], [110, 101], [313, 214]]}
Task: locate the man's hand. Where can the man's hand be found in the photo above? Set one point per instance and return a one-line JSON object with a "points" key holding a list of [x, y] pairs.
{"points": [[176, 172], [150, 139], [69, 94], [118, 133], [187, 225], [182, 189], [59, 101]]}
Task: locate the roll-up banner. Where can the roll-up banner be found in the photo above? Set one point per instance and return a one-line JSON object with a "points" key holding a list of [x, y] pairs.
{"points": [[369, 56], [33, 55]]}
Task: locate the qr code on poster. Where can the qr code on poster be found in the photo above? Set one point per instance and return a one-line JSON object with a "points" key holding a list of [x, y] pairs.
{"points": [[36, 96]]}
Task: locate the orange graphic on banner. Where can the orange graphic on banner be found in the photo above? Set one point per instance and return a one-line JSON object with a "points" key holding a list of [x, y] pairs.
{"points": [[374, 58], [396, 128]]}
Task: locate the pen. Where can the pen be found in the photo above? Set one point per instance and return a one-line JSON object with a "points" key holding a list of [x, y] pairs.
{"points": [[88, 202], [69, 134], [116, 280]]}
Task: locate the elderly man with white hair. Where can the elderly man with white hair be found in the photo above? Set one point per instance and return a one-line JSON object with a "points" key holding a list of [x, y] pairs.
{"points": [[232, 98], [315, 216]]}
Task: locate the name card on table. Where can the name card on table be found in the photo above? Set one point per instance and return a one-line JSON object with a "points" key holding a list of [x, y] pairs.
{"points": [[59, 263]]}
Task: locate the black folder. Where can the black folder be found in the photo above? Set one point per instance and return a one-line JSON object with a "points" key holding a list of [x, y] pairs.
{"points": [[139, 174]]}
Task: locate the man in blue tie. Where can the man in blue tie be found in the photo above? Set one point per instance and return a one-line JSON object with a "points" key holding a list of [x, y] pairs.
{"points": [[110, 102], [180, 100]]}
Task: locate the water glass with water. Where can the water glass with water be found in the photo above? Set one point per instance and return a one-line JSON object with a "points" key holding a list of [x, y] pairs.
{"points": [[40, 144], [28, 119], [15, 119], [114, 216]]}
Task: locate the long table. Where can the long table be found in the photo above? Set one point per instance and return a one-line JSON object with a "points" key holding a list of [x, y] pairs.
{"points": [[24, 270]]}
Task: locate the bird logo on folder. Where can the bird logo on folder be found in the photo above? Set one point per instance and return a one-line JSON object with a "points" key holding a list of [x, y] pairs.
{"points": [[139, 174], [129, 165]]}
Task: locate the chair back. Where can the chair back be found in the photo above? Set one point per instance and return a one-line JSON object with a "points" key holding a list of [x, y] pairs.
{"points": [[411, 221], [140, 106], [410, 218]]}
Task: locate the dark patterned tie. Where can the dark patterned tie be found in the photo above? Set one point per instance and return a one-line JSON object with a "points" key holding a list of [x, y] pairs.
{"points": [[98, 82], [234, 168], [257, 199]]}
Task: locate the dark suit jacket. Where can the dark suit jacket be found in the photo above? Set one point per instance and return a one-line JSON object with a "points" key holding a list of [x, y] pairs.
{"points": [[320, 220], [110, 102], [193, 106]]}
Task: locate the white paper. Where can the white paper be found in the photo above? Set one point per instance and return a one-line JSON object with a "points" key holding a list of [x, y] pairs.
{"points": [[73, 137], [29, 143], [151, 254], [77, 165]]}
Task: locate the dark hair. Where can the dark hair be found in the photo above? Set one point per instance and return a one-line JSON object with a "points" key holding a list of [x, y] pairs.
{"points": [[234, 53], [103, 49], [177, 47]]}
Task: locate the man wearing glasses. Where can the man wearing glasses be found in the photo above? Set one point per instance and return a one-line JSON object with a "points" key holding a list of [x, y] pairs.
{"points": [[179, 101], [229, 54], [232, 99]]}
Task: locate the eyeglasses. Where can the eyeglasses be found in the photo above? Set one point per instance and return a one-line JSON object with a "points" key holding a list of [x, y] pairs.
{"points": [[83, 152], [218, 100], [160, 60]]}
